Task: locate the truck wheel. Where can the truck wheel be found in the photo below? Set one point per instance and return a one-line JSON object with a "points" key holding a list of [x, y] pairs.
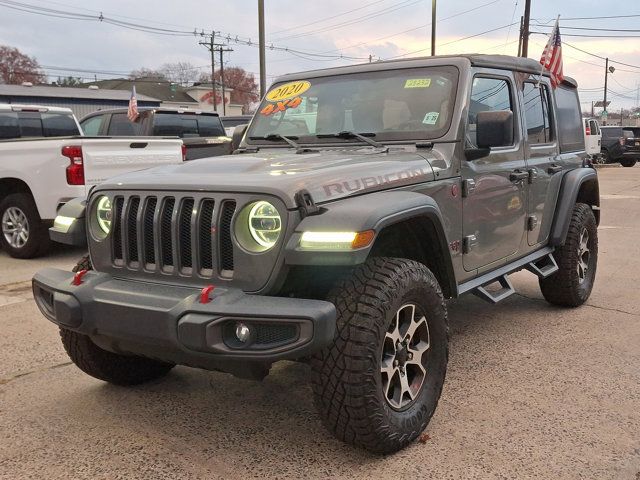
{"points": [[108, 366], [571, 285], [378, 384], [627, 163], [23, 234]]}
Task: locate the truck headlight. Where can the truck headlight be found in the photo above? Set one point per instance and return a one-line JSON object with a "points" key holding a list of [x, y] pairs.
{"points": [[104, 214], [258, 226]]}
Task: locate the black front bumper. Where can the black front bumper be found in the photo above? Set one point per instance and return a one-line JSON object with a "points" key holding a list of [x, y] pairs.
{"points": [[170, 323]]}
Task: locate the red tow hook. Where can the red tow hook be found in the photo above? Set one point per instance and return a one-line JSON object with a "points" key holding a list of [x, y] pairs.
{"points": [[205, 292], [77, 278]]}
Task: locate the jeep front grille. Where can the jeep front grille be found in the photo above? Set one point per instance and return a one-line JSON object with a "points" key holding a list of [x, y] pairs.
{"points": [[173, 234]]}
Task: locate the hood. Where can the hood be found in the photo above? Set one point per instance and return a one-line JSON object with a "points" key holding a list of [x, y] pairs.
{"points": [[327, 175]]}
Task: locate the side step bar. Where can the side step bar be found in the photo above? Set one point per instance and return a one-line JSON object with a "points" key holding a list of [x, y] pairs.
{"points": [[495, 296], [540, 263]]}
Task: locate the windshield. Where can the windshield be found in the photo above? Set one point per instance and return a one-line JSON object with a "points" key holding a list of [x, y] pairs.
{"points": [[409, 104]]}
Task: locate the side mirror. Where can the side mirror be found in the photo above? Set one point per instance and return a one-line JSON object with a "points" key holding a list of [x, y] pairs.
{"points": [[238, 133], [494, 129]]}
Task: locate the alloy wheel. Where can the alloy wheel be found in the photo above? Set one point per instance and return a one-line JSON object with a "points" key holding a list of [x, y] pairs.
{"points": [[15, 227], [584, 255], [403, 366]]}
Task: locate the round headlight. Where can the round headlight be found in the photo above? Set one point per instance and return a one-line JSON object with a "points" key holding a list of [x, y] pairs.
{"points": [[104, 214], [264, 224]]}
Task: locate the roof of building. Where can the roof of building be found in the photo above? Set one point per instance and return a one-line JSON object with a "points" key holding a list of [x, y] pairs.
{"points": [[159, 89], [70, 92]]}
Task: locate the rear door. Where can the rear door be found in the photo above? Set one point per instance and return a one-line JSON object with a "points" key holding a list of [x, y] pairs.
{"points": [[494, 188], [108, 157], [543, 163]]}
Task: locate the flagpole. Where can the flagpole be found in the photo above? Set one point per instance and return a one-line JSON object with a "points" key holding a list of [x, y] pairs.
{"points": [[553, 32]]}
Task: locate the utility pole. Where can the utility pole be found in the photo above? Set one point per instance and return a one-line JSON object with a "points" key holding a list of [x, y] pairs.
{"points": [[525, 28], [433, 27], [263, 68], [211, 47], [224, 97], [370, 58], [606, 75], [520, 39]]}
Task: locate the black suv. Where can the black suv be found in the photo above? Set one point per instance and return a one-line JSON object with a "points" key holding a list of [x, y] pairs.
{"points": [[620, 145]]}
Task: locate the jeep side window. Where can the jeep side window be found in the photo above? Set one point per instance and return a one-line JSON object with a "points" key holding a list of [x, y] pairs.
{"points": [[569, 119], [536, 113], [487, 94]]}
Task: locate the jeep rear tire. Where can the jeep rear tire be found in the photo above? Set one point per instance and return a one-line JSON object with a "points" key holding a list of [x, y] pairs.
{"points": [[22, 232], [577, 260], [378, 384], [108, 366]]}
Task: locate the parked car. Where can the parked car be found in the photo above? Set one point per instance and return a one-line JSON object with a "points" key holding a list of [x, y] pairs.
{"points": [[33, 121], [337, 241], [231, 122], [593, 140], [202, 132], [44, 163], [619, 145]]}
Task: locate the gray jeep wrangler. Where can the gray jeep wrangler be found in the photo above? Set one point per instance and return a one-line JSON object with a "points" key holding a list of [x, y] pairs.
{"points": [[360, 199]]}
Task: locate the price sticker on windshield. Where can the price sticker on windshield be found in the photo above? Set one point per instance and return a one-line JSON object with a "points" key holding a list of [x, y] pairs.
{"points": [[288, 90], [417, 83]]}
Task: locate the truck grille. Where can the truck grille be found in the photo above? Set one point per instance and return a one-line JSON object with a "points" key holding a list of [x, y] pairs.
{"points": [[173, 234]]}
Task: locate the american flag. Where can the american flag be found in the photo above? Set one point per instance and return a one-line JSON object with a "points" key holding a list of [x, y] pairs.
{"points": [[132, 112], [551, 59]]}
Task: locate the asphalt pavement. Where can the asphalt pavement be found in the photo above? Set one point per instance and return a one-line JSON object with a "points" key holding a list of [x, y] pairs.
{"points": [[532, 391]]}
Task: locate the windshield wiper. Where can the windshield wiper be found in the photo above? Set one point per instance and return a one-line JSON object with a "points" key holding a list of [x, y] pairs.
{"points": [[289, 139], [364, 137]]}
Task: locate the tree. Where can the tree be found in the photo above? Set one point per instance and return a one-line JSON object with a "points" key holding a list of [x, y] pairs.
{"points": [[148, 73], [68, 81], [243, 85], [16, 67], [182, 73]]}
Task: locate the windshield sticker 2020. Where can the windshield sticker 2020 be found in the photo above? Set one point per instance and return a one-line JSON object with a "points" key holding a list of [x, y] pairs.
{"points": [[272, 108], [288, 90]]}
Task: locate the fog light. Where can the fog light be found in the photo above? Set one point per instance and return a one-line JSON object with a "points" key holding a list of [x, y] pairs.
{"points": [[242, 332]]}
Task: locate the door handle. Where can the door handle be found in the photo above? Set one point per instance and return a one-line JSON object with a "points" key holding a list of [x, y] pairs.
{"points": [[517, 175], [554, 169]]}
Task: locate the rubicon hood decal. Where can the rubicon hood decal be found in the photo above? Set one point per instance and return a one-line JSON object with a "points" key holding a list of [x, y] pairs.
{"points": [[327, 174]]}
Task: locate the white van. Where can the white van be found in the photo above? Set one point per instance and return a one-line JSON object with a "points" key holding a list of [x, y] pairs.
{"points": [[592, 138]]}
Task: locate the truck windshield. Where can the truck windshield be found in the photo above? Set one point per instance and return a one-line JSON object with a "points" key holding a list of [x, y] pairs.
{"points": [[407, 104], [187, 125]]}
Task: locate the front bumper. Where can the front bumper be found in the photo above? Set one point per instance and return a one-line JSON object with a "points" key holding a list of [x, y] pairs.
{"points": [[170, 323]]}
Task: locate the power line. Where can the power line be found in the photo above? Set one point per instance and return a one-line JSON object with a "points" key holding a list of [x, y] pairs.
{"points": [[419, 27], [454, 41], [327, 18], [346, 23]]}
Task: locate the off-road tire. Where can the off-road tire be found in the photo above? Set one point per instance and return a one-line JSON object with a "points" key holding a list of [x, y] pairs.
{"points": [[346, 377], [627, 163], [563, 288], [38, 240], [108, 366]]}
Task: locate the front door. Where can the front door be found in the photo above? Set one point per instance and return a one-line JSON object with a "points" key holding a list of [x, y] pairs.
{"points": [[494, 187], [543, 161]]}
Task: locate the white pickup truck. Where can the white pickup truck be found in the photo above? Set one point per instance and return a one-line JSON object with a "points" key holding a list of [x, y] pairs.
{"points": [[45, 161]]}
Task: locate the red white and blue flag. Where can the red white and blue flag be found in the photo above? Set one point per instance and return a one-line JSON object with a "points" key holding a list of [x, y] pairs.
{"points": [[551, 59], [132, 112]]}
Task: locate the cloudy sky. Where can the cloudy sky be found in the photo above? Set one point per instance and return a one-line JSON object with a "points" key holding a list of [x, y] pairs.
{"points": [[321, 32]]}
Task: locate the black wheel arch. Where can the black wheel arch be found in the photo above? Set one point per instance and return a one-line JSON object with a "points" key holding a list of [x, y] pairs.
{"points": [[579, 185], [407, 225]]}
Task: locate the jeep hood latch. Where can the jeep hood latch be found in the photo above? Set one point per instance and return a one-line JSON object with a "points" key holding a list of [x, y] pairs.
{"points": [[305, 203]]}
